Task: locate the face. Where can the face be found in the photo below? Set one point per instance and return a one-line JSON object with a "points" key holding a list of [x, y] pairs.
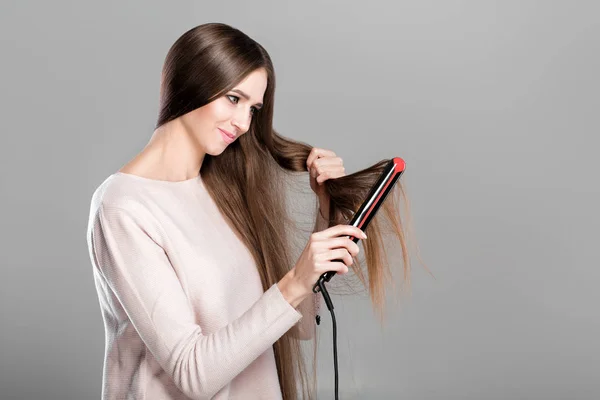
{"points": [[229, 115]]}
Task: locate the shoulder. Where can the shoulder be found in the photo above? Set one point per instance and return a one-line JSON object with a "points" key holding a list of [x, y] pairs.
{"points": [[112, 192], [119, 193], [119, 204]]}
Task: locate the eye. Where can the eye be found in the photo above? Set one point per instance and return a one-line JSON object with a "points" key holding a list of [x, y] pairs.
{"points": [[254, 110]]}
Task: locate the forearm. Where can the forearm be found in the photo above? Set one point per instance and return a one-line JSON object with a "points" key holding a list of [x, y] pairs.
{"points": [[308, 304], [287, 286]]}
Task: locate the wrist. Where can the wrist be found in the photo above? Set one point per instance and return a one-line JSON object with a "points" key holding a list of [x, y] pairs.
{"points": [[291, 290]]}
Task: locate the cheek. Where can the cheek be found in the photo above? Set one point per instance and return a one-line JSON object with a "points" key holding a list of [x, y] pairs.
{"points": [[210, 116], [217, 111]]}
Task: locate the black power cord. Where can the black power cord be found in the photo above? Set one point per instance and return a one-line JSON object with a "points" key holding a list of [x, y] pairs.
{"points": [[321, 285]]}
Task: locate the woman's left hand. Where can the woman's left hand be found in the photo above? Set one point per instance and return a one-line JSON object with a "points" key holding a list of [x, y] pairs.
{"points": [[323, 164]]}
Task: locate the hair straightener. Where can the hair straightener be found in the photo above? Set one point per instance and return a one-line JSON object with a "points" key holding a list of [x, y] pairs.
{"points": [[389, 176]]}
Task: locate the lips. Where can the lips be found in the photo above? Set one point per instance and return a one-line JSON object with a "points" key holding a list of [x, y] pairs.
{"points": [[227, 133]]}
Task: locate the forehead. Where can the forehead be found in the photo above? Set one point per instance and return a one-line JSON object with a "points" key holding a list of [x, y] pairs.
{"points": [[254, 85]]}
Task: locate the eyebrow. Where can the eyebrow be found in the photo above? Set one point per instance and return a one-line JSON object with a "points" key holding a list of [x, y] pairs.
{"points": [[244, 95]]}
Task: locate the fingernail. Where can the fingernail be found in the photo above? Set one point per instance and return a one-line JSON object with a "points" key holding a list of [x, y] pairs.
{"points": [[364, 235]]}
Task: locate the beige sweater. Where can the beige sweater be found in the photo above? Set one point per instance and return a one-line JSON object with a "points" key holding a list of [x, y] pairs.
{"points": [[183, 306]]}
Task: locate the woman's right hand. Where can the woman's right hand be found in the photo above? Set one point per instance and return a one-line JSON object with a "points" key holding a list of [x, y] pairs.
{"points": [[317, 258]]}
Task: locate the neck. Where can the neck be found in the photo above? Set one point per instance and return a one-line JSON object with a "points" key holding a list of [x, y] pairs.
{"points": [[172, 154]]}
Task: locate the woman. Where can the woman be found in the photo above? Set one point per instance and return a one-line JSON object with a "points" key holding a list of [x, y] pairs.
{"points": [[189, 239]]}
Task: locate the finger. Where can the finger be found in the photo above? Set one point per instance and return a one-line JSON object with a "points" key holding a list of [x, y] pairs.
{"points": [[328, 161], [337, 266], [322, 153], [336, 262], [339, 230], [345, 243], [343, 255], [333, 164], [331, 174], [334, 254], [314, 153], [317, 153]]}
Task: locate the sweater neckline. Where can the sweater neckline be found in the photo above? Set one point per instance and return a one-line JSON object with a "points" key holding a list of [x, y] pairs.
{"points": [[196, 179]]}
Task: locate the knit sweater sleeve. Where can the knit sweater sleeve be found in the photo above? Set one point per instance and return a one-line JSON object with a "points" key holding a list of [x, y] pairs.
{"points": [[138, 271]]}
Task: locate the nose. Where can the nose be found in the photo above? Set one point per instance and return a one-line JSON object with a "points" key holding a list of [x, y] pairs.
{"points": [[241, 120]]}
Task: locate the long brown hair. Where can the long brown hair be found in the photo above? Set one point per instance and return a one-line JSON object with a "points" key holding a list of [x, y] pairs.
{"points": [[202, 65]]}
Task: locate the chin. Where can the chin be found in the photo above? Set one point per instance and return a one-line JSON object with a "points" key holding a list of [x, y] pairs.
{"points": [[216, 150]]}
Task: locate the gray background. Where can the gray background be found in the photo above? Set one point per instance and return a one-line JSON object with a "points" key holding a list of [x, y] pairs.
{"points": [[493, 105]]}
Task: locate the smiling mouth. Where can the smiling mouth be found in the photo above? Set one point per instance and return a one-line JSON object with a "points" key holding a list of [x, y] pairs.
{"points": [[227, 133]]}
